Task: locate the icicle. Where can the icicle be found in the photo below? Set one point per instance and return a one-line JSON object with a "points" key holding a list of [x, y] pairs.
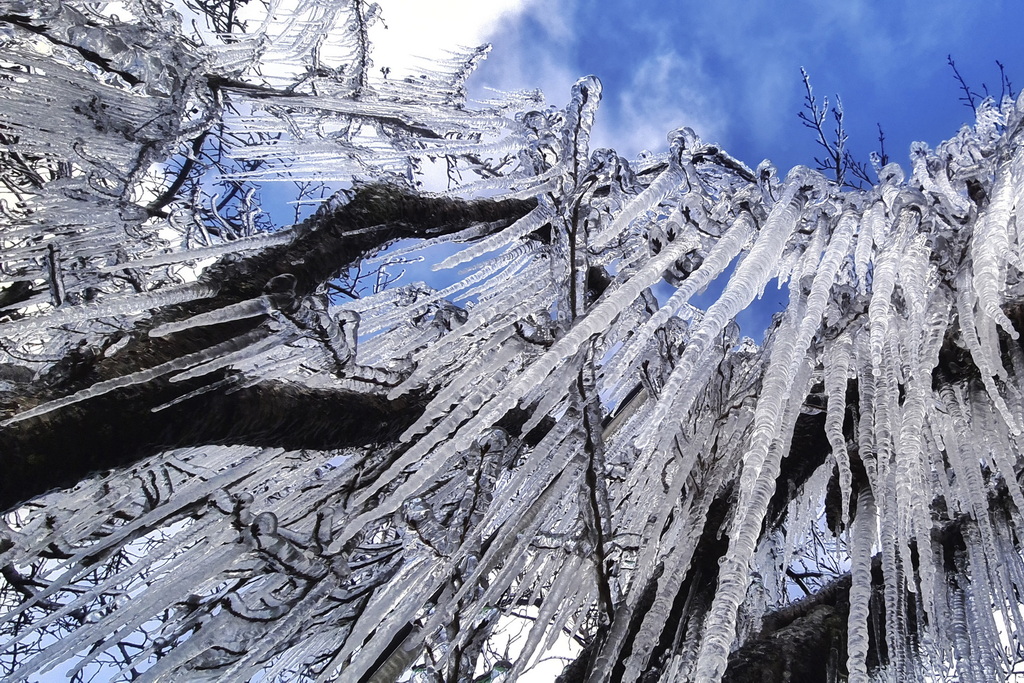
{"points": [[860, 587], [1017, 247], [510, 185], [566, 579], [447, 354], [585, 97], [883, 285], [387, 611], [959, 629], [228, 358], [986, 357], [401, 255], [143, 376], [837, 368], [724, 251], [505, 262], [457, 393], [521, 228], [491, 410], [653, 195], [706, 412], [231, 247], [244, 309], [887, 425], [868, 227], [112, 307], [581, 601], [750, 275], [675, 543], [284, 629], [512, 532], [776, 413], [215, 386], [937, 182], [914, 520], [990, 244], [979, 601], [656, 616]]}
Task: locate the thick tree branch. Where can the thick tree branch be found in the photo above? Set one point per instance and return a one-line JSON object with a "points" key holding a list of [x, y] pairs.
{"points": [[117, 429]]}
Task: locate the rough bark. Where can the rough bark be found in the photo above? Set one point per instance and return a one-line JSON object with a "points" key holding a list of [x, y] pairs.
{"points": [[118, 429]]}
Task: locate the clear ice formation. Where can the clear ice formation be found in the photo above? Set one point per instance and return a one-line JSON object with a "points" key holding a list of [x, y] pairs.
{"points": [[580, 446]]}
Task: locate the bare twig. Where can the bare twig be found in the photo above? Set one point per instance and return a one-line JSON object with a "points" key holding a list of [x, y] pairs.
{"points": [[837, 159], [883, 156], [969, 98], [1005, 86]]}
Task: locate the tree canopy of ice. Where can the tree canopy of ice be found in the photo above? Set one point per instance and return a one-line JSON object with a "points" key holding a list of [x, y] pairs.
{"points": [[561, 455]]}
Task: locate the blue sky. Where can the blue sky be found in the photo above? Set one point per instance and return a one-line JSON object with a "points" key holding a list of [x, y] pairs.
{"points": [[731, 69]]}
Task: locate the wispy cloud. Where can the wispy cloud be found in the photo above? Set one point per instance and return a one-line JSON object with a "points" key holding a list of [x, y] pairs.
{"points": [[667, 91], [534, 50]]}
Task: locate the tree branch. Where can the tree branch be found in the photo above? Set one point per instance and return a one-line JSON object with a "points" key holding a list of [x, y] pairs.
{"points": [[119, 428]]}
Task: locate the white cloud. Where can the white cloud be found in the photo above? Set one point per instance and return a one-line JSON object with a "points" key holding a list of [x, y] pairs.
{"points": [[667, 92], [532, 51], [511, 70], [417, 29]]}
